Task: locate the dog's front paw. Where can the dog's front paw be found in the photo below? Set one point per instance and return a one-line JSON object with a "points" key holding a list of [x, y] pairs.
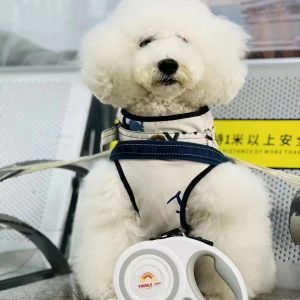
{"points": [[107, 294], [102, 294], [218, 297]]}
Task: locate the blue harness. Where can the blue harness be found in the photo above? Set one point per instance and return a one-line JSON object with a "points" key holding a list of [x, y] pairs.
{"points": [[167, 150]]}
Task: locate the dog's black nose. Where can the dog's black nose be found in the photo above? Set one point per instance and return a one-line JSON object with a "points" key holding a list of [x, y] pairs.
{"points": [[168, 66]]}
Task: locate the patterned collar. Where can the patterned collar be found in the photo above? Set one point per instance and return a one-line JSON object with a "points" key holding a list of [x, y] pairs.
{"points": [[196, 127]]}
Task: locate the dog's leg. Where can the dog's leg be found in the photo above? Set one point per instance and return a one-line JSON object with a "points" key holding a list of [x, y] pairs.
{"points": [[105, 225], [231, 207]]}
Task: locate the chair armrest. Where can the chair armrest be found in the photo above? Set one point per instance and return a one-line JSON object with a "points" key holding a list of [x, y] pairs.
{"points": [[56, 260], [59, 265], [295, 219]]}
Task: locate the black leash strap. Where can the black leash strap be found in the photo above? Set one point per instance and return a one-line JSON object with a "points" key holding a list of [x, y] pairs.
{"points": [[178, 232], [187, 194], [126, 185]]}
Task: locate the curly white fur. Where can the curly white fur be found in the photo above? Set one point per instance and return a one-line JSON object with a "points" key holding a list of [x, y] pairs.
{"points": [[208, 49], [231, 206]]}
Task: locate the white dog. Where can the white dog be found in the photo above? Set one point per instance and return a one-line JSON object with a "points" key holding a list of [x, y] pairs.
{"points": [[163, 61]]}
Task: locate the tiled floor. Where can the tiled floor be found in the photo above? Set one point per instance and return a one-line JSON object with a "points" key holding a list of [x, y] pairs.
{"points": [[60, 288]]}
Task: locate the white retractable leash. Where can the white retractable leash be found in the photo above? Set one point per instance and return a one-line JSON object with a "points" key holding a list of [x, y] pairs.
{"points": [[163, 269]]}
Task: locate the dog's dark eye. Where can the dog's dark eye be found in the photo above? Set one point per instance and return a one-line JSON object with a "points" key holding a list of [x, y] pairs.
{"points": [[183, 38], [145, 42]]}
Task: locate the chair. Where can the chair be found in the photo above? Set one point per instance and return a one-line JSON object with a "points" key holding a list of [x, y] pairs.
{"points": [[272, 91], [44, 114]]}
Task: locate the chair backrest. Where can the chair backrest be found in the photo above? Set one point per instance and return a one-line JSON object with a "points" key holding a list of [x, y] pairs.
{"points": [[272, 91], [43, 115]]}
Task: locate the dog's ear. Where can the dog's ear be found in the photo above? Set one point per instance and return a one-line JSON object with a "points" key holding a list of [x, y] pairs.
{"points": [[96, 63], [225, 68], [99, 83]]}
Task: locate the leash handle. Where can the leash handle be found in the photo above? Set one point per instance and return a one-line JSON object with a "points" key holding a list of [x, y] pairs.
{"points": [[169, 263], [224, 267], [190, 250]]}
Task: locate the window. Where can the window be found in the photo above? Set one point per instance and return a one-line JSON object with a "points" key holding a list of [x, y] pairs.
{"points": [[274, 25], [48, 32]]}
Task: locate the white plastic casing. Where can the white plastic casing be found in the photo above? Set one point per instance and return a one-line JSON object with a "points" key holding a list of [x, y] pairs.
{"points": [[164, 269]]}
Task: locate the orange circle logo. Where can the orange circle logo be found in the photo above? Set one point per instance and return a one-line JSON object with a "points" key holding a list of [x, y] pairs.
{"points": [[148, 280]]}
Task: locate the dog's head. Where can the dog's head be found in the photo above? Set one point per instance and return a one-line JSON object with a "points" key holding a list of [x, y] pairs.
{"points": [[164, 56]]}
